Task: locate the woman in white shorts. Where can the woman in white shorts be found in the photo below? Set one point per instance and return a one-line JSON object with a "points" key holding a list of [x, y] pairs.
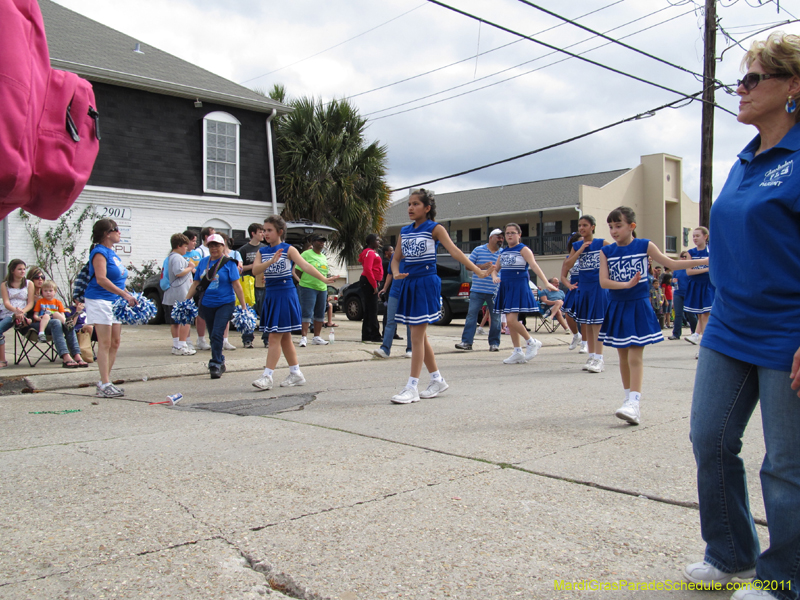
{"points": [[108, 276]]}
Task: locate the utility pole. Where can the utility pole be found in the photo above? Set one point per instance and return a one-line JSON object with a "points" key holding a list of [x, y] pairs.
{"points": [[707, 126]]}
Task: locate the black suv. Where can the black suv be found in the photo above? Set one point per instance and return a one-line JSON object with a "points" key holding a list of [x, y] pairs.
{"points": [[456, 281], [296, 232]]}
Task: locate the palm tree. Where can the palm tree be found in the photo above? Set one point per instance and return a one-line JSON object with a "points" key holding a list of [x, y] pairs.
{"points": [[328, 173]]}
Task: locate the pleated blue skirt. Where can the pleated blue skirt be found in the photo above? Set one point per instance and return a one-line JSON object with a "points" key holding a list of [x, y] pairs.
{"points": [[630, 323], [420, 300], [570, 299], [514, 295], [281, 312], [590, 306], [699, 297]]}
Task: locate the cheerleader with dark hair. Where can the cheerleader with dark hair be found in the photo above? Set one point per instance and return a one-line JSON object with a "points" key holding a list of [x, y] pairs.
{"points": [[570, 279], [421, 297]]}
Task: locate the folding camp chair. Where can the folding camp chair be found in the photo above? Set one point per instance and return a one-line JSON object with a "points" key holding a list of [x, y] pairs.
{"points": [[542, 320], [28, 340]]}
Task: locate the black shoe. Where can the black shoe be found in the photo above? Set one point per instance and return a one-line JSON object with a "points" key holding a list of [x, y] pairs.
{"points": [[674, 337], [215, 371], [248, 344], [463, 346], [397, 337], [222, 369]]}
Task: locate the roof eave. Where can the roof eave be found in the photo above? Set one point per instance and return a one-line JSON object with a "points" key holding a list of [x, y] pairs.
{"points": [[168, 88], [504, 214]]}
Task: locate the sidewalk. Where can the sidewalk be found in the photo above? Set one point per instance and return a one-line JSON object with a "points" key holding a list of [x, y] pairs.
{"points": [[145, 353]]}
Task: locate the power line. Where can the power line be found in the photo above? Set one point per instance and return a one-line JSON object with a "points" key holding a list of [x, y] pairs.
{"points": [[545, 44], [643, 115], [514, 77], [510, 69], [332, 47], [605, 37], [469, 58]]}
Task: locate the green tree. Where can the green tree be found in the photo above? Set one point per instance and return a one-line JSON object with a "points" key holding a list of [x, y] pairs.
{"points": [[327, 171], [56, 247]]}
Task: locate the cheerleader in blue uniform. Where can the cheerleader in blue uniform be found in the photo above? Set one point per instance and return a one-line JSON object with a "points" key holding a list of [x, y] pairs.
{"points": [[570, 279], [514, 295], [590, 307], [630, 322], [281, 313], [421, 297], [699, 292]]}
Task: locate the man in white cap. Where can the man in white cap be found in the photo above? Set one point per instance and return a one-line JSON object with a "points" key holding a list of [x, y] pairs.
{"points": [[483, 291]]}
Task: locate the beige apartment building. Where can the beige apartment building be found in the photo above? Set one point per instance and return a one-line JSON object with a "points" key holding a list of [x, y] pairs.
{"points": [[548, 210]]}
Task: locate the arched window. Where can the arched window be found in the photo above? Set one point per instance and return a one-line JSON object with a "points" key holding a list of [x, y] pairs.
{"points": [[221, 153]]}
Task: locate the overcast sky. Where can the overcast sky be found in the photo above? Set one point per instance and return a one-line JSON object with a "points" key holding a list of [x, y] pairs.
{"points": [[260, 43]]}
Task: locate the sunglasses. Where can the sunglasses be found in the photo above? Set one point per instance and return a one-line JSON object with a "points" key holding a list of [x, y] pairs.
{"points": [[115, 230], [37, 277], [751, 80]]}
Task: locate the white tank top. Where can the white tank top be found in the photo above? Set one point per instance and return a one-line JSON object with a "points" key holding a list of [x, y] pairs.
{"points": [[17, 297]]}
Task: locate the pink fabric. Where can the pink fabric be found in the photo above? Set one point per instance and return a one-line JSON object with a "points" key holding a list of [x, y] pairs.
{"points": [[43, 168]]}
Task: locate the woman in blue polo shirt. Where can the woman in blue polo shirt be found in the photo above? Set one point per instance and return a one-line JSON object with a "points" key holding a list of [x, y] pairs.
{"points": [[755, 223]]}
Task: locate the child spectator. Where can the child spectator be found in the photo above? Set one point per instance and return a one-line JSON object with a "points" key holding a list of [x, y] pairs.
{"points": [[77, 315], [657, 300], [48, 307]]}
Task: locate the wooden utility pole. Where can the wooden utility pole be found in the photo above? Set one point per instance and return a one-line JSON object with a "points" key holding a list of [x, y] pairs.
{"points": [[707, 127]]}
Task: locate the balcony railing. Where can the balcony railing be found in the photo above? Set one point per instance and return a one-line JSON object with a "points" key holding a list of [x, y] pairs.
{"points": [[542, 245]]}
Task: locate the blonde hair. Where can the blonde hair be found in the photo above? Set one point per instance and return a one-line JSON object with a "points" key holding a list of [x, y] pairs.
{"points": [[704, 231], [50, 285], [779, 54]]}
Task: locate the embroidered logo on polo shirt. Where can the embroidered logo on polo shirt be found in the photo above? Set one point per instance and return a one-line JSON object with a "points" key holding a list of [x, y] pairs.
{"points": [[774, 177]]}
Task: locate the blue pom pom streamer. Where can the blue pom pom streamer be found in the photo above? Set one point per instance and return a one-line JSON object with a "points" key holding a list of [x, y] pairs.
{"points": [[184, 312], [244, 319], [134, 315]]}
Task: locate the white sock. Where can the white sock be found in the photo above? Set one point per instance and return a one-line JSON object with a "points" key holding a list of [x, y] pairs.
{"points": [[519, 350], [201, 339], [436, 376], [591, 356], [294, 368], [627, 394], [183, 345], [224, 340], [268, 373], [176, 343], [598, 357], [530, 342], [413, 382], [635, 397]]}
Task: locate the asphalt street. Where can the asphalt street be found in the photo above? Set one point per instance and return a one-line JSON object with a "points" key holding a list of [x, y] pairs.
{"points": [[515, 481]]}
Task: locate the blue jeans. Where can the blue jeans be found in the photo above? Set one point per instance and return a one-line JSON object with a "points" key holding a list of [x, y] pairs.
{"points": [[6, 323], [259, 308], [726, 392], [391, 326], [312, 304], [476, 300], [61, 339], [677, 304], [216, 319]]}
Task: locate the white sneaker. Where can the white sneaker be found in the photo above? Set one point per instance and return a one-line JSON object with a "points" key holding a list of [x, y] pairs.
{"points": [[293, 379], [707, 575], [202, 345], [406, 396], [586, 366], [408, 354], [584, 349], [190, 345], [263, 383], [693, 339], [318, 341], [303, 341], [532, 348], [480, 331], [629, 411], [596, 366], [380, 353], [434, 389], [576, 339], [746, 594], [516, 358], [228, 346], [183, 351]]}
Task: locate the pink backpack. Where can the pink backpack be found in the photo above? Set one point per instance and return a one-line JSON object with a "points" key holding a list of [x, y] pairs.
{"points": [[49, 129]]}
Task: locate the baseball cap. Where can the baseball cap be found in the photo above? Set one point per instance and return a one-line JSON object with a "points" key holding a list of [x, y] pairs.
{"points": [[497, 232], [319, 238], [215, 237]]}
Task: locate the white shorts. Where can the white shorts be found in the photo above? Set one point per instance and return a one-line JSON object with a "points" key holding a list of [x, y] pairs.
{"points": [[98, 312]]}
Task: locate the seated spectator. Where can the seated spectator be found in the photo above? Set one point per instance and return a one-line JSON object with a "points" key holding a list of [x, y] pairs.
{"points": [[554, 300], [18, 299], [48, 307]]}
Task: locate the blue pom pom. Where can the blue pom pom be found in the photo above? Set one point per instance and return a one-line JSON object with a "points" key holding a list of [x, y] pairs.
{"points": [[244, 319], [126, 314], [184, 312]]}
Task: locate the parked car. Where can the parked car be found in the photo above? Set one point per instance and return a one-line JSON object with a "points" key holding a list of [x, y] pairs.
{"points": [[456, 282], [296, 232]]}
